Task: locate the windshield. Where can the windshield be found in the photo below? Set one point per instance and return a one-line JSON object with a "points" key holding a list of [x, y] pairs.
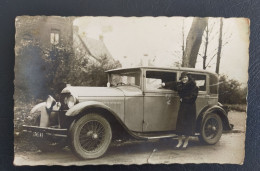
{"points": [[125, 78]]}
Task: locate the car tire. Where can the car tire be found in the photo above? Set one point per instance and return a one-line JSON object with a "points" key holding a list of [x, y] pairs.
{"points": [[90, 136], [211, 129], [47, 144]]}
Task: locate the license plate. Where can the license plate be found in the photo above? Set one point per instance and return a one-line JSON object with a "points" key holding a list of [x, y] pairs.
{"points": [[38, 134]]}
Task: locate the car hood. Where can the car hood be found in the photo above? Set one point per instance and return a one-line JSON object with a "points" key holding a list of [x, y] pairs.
{"points": [[102, 91], [92, 91]]}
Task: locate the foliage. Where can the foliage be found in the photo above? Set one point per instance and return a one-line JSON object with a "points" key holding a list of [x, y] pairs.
{"points": [[237, 107], [91, 74], [41, 71], [30, 69], [230, 91]]}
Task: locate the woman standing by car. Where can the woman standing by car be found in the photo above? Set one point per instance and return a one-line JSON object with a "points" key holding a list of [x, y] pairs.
{"points": [[188, 92]]}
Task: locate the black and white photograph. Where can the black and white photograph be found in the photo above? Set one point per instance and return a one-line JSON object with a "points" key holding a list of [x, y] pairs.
{"points": [[130, 90]]}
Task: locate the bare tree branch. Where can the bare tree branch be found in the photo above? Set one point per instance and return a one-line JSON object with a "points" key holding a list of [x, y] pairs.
{"points": [[211, 60]]}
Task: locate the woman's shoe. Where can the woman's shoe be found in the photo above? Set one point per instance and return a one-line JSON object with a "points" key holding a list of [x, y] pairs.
{"points": [[184, 148], [180, 143], [186, 143], [177, 148]]}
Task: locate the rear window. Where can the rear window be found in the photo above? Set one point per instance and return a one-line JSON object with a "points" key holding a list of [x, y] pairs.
{"points": [[200, 81]]}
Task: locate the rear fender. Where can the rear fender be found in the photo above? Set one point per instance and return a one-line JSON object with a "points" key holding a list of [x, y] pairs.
{"points": [[213, 109]]}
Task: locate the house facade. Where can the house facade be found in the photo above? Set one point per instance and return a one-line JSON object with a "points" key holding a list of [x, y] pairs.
{"points": [[47, 47], [46, 31]]}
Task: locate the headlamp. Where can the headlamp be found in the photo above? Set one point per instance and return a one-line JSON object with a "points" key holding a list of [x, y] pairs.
{"points": [[50, 102], [71, 101]]}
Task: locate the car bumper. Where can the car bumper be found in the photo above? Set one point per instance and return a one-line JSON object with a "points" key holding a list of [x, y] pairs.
{"points": [[45, 131]]}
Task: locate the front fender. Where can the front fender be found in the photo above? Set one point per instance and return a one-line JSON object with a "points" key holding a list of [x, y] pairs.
{"points": [[41, 107], [78, 108], [38, 107]]}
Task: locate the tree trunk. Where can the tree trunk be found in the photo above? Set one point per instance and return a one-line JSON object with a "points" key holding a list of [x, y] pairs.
{"points": [[193, 42], [183, 45], [219, 45], [206, 47]]}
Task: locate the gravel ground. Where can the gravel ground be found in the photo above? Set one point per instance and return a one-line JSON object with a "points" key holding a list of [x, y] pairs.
{"points": [[230, 149], [238, 119]]}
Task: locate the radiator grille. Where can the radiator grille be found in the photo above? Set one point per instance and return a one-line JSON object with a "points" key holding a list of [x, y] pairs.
{"points": [[63, 96]]}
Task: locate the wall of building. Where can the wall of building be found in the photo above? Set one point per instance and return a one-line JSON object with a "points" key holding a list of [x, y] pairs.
{"points": [[40, 28]]}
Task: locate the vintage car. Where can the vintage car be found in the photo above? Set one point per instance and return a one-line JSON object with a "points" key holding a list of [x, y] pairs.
{"points": [[133, 103]]}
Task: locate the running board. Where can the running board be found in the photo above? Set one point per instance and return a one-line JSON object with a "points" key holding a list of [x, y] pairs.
{"points": [[153, 136]]}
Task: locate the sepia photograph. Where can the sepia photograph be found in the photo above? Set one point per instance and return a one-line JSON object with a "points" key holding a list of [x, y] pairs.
{"points": [[130, 90]]}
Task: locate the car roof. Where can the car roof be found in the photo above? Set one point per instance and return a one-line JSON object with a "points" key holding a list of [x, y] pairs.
{"points": [[163, 68]]}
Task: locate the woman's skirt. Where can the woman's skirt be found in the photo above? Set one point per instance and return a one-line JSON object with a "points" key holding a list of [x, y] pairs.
{"points": [[186, 121]]}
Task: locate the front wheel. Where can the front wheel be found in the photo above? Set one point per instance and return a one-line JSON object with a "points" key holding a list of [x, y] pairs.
{"points": [[211, 129], [90, 136]]}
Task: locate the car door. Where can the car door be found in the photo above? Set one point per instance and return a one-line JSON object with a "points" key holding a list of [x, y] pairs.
{"points": [[160, 105]]}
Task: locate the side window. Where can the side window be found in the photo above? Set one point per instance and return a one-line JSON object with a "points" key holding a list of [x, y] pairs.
{"points": [[155, 78], [200, 81]]}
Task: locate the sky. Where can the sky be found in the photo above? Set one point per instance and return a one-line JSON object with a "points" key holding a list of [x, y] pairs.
{"points": [[159, 39]]}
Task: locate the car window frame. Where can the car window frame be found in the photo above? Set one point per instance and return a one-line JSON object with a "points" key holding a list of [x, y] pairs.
{"points": [[207, 81], [109, 77], [162, 90]]}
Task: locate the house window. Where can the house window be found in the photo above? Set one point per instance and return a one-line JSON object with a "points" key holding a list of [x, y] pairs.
{"points": [[27, 37], [55, 37]]}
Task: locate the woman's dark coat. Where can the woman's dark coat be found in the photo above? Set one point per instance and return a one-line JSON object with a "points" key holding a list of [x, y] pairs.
{"points": [[188, 93]]}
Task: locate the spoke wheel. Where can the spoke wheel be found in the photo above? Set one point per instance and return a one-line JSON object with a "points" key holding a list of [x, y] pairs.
{"points": [[211, 129], [90, 136]]}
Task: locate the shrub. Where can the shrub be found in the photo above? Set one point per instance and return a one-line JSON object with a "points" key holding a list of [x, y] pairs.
{"points": [[39, 71], [230, 91], [237, 107]]}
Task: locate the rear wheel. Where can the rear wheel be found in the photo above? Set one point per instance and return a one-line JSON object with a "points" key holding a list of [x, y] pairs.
{"points": [[211, 129], [90, 136]]}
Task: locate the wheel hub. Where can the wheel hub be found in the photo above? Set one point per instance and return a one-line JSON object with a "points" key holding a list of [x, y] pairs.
{"points": [[94, 136], [211, 128], [90, 133]]}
